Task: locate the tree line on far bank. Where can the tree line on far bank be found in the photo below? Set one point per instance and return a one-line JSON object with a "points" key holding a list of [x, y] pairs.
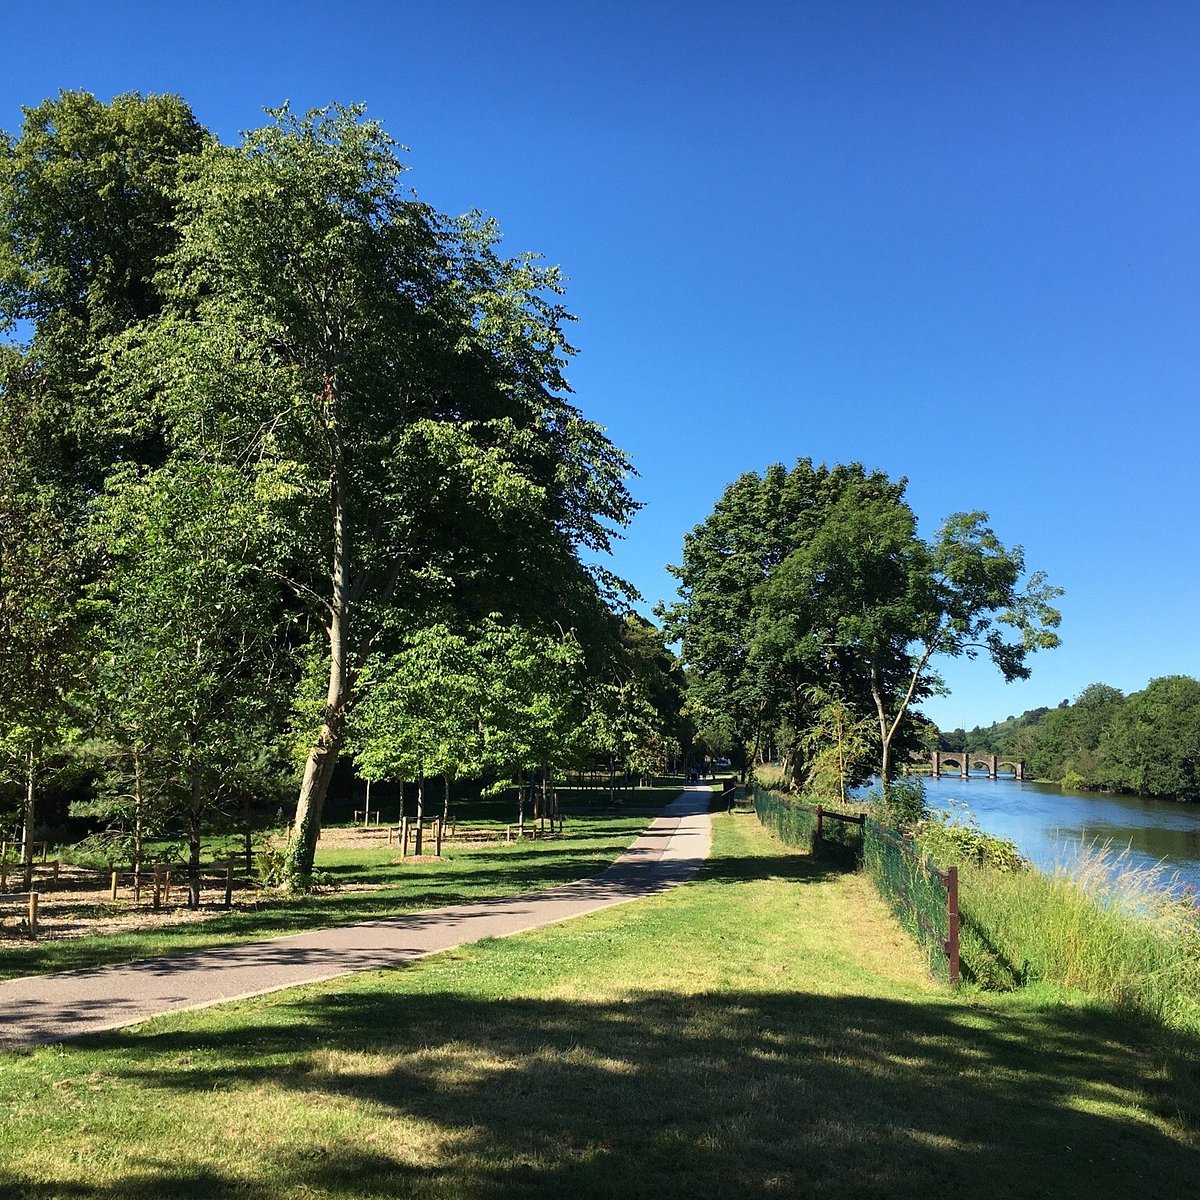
{"points": [[289, 473], [1146, 743]]}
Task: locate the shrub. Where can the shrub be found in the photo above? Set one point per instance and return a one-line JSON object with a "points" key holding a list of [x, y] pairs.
{"points": [[953, 837]]}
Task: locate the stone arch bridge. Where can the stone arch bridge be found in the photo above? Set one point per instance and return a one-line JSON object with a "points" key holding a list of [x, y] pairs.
{"points": [[966, 760]]}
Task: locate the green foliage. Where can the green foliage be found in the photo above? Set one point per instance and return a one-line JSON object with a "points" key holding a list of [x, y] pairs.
{"points": [[953, 837], [1148, 742], [903, 805], [818, 577]]}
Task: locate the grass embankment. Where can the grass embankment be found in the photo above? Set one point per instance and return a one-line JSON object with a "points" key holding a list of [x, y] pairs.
{"points": [[465, 872], [1099, 929], [1100, 924], [764, 1031]]}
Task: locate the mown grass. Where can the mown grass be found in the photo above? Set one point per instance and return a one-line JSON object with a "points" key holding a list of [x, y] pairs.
{"points": [[764, 1031], [466, 872]]}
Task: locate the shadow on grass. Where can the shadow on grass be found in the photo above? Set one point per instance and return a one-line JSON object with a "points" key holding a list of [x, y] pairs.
{"points": [[666, 1095]]}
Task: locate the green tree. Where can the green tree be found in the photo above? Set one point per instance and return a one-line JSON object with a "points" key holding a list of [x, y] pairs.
{"points": [[744, 682], [42, 610], [1152, 743], [190, 647], [400, 388]]}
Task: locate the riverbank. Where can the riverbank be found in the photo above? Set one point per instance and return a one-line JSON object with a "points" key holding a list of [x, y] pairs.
{"points": [[766, 1030]]}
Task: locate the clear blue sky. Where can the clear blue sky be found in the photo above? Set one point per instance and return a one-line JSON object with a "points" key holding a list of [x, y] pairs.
{"points": [[957, 242]]}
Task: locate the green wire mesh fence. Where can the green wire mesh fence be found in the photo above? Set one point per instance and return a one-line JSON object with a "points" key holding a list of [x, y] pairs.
{"points": [[924, 899], [794, 824]]}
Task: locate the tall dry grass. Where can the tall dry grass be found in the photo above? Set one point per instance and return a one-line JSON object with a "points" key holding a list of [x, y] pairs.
{"points": [[1098, 923]]}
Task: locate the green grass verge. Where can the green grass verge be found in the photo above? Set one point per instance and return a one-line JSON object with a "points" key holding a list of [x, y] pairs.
{"points": [[764, 1031], [469, 872]]}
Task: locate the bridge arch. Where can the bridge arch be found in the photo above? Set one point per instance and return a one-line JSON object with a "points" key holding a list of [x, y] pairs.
{"points": [[965, 760]]}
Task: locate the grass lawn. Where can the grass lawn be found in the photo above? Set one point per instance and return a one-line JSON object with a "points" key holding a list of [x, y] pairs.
{"points": [[465, 872], [764, 1031]]}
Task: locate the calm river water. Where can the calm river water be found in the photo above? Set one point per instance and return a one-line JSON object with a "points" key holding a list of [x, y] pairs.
{"points": [[1048, 824]]}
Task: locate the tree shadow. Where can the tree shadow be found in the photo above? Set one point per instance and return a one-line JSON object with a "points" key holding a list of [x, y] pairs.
{"points": [[664, 1095]]}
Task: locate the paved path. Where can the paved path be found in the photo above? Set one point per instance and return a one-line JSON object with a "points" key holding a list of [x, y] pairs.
{"points": [[49, 1008]]}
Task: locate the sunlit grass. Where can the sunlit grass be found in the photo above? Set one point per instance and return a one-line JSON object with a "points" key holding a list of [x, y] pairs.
{"points": [[764, 1031], [396, 884], [1099, 922]]}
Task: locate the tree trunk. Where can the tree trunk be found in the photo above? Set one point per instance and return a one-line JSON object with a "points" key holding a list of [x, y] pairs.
{"points": [[194, 843], [137, 826], [420, 812], [27, 821], [322, 758]]}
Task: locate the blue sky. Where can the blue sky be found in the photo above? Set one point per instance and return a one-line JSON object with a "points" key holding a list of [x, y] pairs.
{"points": [[955, 242]]}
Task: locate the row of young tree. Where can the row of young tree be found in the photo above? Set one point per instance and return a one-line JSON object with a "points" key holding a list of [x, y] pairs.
{"points": [[288, 471], [1147, 743], [810, 613]]}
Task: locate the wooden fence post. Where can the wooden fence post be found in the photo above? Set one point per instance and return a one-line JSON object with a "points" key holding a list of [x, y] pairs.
{"points": [[403, 836], [57, 864], [33, 914], [952, 922], [112, 895]]}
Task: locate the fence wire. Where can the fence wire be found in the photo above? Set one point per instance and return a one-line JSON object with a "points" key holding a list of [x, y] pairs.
{"points": [[914, 890], [794, 824], [908, 881]]}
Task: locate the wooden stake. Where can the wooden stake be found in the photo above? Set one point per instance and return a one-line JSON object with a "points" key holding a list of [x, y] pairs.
{"points": [[403, 836], [437, 842], [113, 892], [33, 914], [166, 887]]}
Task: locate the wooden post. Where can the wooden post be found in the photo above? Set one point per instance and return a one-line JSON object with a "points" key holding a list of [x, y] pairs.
{"points": [[820, 821], [391, 835], [157, 887], [229, 885], [33, 914], [166, 887], [45, 850], [403, 836], [952, 923], [437, 841], [112, 895], [57, 864]]}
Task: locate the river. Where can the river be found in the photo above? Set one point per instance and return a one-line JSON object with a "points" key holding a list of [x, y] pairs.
{"points": [[1048, 824]]}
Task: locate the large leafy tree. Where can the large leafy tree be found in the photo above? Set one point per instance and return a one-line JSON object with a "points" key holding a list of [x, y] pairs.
{"points": [[1151, 744], [745, 684], [397, 389], [817, 579], [42, 608]]}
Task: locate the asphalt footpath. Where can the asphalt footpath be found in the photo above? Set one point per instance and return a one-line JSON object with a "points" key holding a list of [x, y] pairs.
{"points": [[50, 1008]]}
